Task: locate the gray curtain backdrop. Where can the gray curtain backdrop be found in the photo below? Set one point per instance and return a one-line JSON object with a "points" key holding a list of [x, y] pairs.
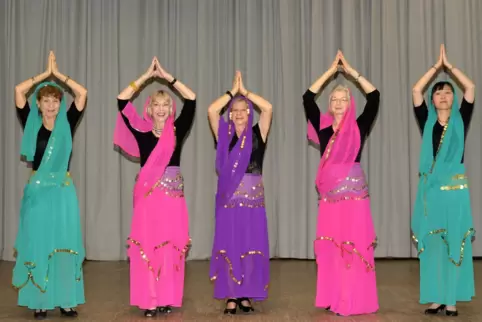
{"points": [[281, 47]]}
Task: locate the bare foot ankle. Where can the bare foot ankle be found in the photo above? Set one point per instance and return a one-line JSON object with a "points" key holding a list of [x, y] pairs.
{"points": [[231, 305], [434, 306]]}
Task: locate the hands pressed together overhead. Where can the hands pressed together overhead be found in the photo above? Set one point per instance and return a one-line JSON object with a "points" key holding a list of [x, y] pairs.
{"points": [[238, 85], [156, 70], [442, 61]]}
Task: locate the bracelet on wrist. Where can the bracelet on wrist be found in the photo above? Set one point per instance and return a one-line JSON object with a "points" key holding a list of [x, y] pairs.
{"points": [[134, 86]]}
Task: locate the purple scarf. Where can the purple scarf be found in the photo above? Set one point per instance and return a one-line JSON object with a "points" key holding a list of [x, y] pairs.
{"points": [[231, 166]]}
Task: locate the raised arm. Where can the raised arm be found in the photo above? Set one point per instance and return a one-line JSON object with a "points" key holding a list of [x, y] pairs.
{"points": [[129, 91], [22, 89], [419, 87], [265, 107], [469, 86], [312, 111], [364, 83], [318, 84], [80, 93], [185, 91], [367, 117], [215, 108]]}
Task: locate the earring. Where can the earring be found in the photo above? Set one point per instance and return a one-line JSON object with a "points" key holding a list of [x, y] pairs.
{"points": [[248, 111], [231, 116]]}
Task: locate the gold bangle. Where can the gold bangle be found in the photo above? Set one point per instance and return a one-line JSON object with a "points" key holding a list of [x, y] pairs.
{"points": [[33, 80], [66, 79], [134, 86], [356, 79], [247, 94], [452, 68]]}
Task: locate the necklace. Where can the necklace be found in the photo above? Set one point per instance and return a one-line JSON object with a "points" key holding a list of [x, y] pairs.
{"points": [[157, 131], [443, 123]]}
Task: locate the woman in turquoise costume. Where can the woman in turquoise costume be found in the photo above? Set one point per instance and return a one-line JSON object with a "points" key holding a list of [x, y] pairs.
{"points": [[49, 247], [442, 221]]}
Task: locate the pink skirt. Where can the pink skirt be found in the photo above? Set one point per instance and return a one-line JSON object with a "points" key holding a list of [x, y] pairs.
{"points": [[344, 248], [158, 243]]}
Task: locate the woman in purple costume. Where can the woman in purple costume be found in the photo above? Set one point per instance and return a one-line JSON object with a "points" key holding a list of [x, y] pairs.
{"points": [[240, 257]]}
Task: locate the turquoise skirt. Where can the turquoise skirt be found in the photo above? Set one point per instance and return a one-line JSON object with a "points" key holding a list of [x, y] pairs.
{"points": [[49, 249], [443, 230]]}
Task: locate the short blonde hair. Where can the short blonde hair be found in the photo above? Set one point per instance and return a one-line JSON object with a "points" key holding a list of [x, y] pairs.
{"points": [[161, 95], [340, 88]]}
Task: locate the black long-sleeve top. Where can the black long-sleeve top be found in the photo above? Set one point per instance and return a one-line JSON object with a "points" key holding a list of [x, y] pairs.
{"points": [[364, 121], [147, 141], [421, 113], [73, 116], [255, 165]]}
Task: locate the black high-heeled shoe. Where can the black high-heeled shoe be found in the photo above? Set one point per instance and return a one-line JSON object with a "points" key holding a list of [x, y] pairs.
{"points": [[245, 309], [150, 313], [451, 313], [165, 309], [231, 311], [71, 313], [40, 315], [436, 310]]}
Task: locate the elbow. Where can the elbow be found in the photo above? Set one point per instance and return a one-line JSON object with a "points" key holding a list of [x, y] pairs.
{"points": [[470, 87], [416, 91], [268, 107], [211, 111], [83, 93], [192, 97], [18, 90]]}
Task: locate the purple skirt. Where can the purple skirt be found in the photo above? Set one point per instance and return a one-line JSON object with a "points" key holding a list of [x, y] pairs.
{"points": [[240, 257]]}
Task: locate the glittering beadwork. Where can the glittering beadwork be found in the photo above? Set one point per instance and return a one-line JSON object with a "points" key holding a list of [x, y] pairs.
{"points": [[31, 267], [51, 179], [352, 187], [443, 234], [250, 193], [222, 253], [182, 254], [349, 248], [171, 183]]}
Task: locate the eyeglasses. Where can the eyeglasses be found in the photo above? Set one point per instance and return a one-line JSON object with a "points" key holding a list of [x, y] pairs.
{"points": [[339, 100], [239, 111]]}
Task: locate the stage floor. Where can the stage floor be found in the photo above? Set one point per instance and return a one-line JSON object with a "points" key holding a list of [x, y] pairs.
{"points": [[291, 296]]}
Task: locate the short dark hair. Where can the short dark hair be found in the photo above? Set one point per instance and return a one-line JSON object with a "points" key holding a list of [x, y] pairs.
{"points": [[439, 86]]}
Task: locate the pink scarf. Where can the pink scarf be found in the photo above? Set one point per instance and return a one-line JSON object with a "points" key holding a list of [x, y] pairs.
{"points": [[159, 158], [342, 149]]}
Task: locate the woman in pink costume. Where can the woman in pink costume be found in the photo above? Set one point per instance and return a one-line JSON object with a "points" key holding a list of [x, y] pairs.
{"points": [[345, 236], [159, 237]]}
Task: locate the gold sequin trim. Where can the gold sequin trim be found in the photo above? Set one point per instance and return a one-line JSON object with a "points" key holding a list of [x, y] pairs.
{"points": [[330, 145], [31, 265], [344, 198], [455, 187], [444, 231], [249, 197], [344, 250], [245, 203], [440, 144], [222, 253], [148, 262], [354, 179], [67, 181], [349, 188], [173, 187]]}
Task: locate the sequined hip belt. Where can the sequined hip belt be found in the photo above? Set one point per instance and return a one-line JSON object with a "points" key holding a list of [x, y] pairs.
{"points": [[250, 193]]}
